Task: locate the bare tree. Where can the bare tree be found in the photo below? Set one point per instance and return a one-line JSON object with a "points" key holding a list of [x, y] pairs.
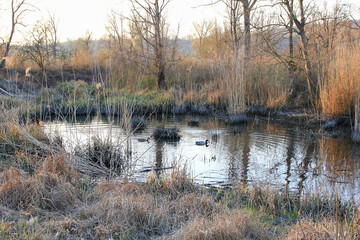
{"points": [[151, 13], [275, 31], [236, 87], [299, 20], [53, 26], [248, 6], [116, 30], [202, 30], [38, 47], [18, 9], [238, 9], [291, 64]]}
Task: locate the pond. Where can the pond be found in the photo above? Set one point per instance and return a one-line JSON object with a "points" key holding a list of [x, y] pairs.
{"points": [[292, 158]]}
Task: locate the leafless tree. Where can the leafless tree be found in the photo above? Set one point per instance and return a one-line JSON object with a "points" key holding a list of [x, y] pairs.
{"points": [[300, 21], [238, 9], [115, 30], [18, 9], [53, 26], [202, 30], [276, 29], [248, 6], [236, 87], [151, 13], [38, 47]]}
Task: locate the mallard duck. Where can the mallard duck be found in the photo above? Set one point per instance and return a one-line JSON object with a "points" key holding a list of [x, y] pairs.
{"points": [[144, 140], [202, 143]]}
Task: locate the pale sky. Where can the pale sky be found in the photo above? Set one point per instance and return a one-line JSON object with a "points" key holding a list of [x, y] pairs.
{"points": [[76, 17]]}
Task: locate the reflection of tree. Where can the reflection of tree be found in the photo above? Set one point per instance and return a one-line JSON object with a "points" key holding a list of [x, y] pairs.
{"points": [[159, 148], [305, 165], [245, 157], [289, 155], [235, 145]]}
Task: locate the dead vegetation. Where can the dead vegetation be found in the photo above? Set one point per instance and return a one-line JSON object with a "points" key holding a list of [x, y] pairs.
{"points": [[45, 194]]}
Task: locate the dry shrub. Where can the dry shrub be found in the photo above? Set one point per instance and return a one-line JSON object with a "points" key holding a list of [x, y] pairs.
{"points": [[278, 100], [43, 190], [58, 165], [268, 85], [233, 225], [12, 174], [325, 230], [16, 61], [174, 184], [190, 97], [22, 134], [82, 59], [209, 93], [217, 97], [337, 92]]}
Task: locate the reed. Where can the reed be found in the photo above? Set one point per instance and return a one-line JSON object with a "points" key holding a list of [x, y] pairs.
{"points": [[337, 93], [356, 129]]}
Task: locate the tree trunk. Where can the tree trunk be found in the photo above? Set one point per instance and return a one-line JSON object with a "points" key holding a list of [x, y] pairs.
{"points": [[161, 78], [7, 49], [247, 38], [300, 25], [159, 61], [292, 63], [311, 82]]}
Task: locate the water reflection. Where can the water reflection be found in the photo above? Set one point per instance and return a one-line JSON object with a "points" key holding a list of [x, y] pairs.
{"points": [[282, 155], [290, 155], [308, 157]]}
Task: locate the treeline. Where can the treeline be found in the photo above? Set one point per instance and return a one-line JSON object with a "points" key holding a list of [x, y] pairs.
{"points": [[278, 54]]}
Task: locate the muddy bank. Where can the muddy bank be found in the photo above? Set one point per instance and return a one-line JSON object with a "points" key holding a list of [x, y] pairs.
{"points": [[86, 98]]}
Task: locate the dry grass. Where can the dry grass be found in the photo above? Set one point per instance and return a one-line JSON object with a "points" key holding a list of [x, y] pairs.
{"points": [[138, 211], [190, 97], [57, 202], [338, 90], [82, 59], [226, 225], [44, 190], [137, 215], [323, 230]]}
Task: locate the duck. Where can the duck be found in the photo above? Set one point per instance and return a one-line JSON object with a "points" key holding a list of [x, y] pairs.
{"points": [[202, 143], [144, 139]]}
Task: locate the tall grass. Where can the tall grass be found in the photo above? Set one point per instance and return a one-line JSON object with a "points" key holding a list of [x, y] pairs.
{"points": [[338, 90], [356, 129]]}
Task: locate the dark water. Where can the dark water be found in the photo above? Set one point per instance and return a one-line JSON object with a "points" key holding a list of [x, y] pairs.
{"points": [[290, 157]]}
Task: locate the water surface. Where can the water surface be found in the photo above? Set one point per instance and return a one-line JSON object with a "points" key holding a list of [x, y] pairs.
{"points": [[289, 157]]}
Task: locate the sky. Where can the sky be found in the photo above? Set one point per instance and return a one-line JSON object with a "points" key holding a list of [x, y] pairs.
{"points": [[76, 17], [84, 15]]}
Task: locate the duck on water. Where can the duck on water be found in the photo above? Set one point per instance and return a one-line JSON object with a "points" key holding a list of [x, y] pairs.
{"points": [[144, 139], [202, 143]]}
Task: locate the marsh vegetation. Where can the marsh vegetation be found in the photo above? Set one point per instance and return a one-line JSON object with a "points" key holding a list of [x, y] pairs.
{"points": [[277, 97]]}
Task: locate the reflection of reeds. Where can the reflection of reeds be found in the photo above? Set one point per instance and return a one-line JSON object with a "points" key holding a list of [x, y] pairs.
{"points": [[336, 154]]}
